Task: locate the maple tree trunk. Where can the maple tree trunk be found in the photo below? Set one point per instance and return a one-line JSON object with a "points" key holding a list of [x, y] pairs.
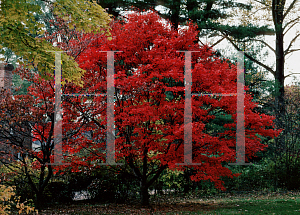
{"points": [[40, 187], [186, 186], [144, 194], [39, 200], [144, 185]]}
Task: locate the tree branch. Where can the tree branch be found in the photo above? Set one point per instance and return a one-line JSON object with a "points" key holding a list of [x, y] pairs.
{"points": [[291, 43], [217, 42], [290, 28], [292, 50], [250, 57], [135, 170], [158, 173], [262, 3], [289, 9], [291, 74], [265, 44], [263, 8], [294, 20], [201, 42]]}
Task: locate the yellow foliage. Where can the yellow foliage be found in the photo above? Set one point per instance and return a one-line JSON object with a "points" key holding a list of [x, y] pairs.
{"points": [[8, 198], [19, 31], [85, 15]]}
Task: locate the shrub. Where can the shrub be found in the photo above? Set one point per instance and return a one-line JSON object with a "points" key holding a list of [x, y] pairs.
{"points": [[288, 172], [8, 201], [58, 192], [170, 181], [12, 176], [258, 176], [111, 186]]}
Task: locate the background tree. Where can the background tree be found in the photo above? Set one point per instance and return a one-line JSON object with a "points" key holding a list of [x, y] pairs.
{"points": [[209, 15], [31, 117], [292, 142], [284, 18], [287, 162], [28, 117]]}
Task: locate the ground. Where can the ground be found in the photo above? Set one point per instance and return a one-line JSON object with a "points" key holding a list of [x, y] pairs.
{"points": [[247, 203]]}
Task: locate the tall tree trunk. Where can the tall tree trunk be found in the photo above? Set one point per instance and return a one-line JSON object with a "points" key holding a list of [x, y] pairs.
{"points": [[279, 75], [175, 13], [279, 92], [277, 13], [186, 175]]}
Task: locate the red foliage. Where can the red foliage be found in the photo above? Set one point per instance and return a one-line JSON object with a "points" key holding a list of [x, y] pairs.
{"points": [[143, 74]]}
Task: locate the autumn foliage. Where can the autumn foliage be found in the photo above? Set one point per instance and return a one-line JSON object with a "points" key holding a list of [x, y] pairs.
{"points": [[150, 103]]}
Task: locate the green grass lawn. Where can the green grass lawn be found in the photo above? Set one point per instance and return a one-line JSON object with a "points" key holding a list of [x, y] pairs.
{"points": [[265, 204], [251, 203]]}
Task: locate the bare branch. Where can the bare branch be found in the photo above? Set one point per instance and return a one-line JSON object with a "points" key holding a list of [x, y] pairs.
{"points": [[262, 3], [290, 8], [288, 23], [217, 42], [291, 43], [291, 74], [264, 43], [250, 57], [263, 8], [292, 50], [201, 42], [290, 27]]}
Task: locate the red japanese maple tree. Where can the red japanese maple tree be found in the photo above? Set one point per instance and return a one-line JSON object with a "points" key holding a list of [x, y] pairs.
{"points": [[149, 103]]}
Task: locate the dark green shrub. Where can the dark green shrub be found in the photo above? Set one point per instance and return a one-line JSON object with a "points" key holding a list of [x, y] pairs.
{"points": [[58, 192], [111, 186], [105, 184], [258, 176], [288, 172]]}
